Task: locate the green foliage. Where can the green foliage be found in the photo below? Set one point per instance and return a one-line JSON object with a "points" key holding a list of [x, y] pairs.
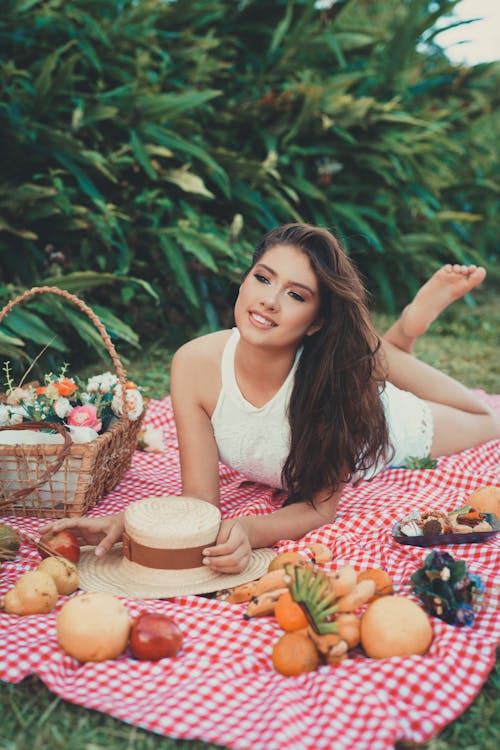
{"points": [[158, 140], [25, 335], [414, 462]]}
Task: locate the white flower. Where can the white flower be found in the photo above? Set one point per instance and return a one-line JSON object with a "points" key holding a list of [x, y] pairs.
{"points": [[18, 414], [62, 407], [20, 394], [82, 434], [134, 400], [324, 4], [150, 439], [4, 415], [51, 392], [103, 383]]}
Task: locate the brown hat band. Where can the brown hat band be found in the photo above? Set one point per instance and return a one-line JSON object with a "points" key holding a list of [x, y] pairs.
{"points": [[163, 559]]}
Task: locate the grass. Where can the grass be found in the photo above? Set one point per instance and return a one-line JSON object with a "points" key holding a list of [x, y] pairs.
{"points": [[464, 343]]}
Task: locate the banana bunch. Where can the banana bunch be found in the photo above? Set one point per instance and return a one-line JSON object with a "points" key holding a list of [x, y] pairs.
{"points": [[261, 595], [293, 572]]}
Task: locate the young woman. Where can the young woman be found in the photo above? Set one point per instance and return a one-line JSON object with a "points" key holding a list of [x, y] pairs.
{"points": [[302, 394]]}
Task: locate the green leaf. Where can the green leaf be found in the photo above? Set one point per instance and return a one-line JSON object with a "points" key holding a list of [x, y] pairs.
{"points": [[193, 242], [83, 180], [32, 328], [24, 233], [153, 150], [176, 261], [350, 40], [116, 327], [44, 79], [167, 106], [357, 223], [385, 288], [180, 146], [281, 29], [188, 182], [415, 462], [458, 216], [141, 155], [21, 6], [80, 325], [7, 338], [82, 281]]}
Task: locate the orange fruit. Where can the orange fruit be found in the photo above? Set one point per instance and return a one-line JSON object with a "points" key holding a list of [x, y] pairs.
{"points": [[289, 614], [287, 558], [395, 626], [485, 499], [381, 579], [294, 653]]}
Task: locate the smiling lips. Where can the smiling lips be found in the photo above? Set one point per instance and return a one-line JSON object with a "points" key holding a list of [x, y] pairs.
{"points": [[261, 320]]}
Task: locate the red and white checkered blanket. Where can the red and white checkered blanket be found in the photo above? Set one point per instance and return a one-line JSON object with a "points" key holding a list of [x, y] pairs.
{"points": [[222, 687]]}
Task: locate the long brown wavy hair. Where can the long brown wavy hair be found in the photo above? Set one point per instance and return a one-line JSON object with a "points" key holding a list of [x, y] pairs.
{"points": [[337, 421]]}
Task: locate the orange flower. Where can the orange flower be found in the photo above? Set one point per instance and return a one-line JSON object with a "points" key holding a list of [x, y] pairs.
{"points": [[130, 385], [66, 387], [39, 391]]}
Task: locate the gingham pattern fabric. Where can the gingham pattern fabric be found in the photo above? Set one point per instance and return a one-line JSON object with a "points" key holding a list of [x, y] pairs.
{"points": [[222, 687]]}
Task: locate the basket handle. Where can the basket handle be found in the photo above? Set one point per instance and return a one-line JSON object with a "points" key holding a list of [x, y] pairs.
{"points": [[90, 314], [65, 449]]}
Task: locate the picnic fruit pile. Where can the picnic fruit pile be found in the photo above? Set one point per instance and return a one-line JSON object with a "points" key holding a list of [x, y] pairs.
{"points": [[320, 612], [90, 627], [36, 591], [95, 627]]}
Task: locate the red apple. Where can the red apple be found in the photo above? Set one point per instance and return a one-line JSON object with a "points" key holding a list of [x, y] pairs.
{"points": [[62, 543], [154, 636]]}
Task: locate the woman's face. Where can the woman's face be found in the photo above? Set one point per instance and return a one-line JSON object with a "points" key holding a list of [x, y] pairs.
{"points": [[278, 302]]}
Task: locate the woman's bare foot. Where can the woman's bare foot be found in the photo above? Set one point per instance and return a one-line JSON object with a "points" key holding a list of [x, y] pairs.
{"points": [[448, 284]]}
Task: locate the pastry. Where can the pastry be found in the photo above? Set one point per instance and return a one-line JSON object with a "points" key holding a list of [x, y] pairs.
{"points": [[434, 522], [470, 520]]}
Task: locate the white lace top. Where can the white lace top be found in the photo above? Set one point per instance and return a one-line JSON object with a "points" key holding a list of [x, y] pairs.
{"points": [[252, 440], [256, 440]]}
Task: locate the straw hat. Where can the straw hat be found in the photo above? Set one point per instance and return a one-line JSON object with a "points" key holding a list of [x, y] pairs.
{"points": [[161, 554]]}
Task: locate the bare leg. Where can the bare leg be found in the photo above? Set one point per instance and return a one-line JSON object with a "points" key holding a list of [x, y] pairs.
{"points": [[411, 374], [444, 287], [461, 419], [456, 430]]}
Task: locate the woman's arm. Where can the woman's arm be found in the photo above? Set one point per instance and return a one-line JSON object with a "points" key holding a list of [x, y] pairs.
{"points": [[102, 531], [238, 536], [197, 447], [291, 522]]}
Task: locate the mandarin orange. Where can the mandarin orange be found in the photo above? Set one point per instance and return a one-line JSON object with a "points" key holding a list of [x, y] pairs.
{"points": [[293, 654], [289, 614]]}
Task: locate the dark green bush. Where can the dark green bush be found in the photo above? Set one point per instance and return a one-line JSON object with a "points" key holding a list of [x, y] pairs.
{"points": [[150, 143]]}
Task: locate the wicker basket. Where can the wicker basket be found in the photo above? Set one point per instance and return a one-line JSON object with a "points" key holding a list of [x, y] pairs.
{"points": [[66, 479]]}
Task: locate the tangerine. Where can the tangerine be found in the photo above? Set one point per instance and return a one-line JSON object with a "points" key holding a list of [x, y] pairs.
{"points": [[293, 654], [289, 614], [381, 579]]}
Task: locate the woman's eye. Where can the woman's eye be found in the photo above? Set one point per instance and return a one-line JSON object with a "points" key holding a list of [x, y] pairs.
{"points": [[296, 296], [262, 279]]}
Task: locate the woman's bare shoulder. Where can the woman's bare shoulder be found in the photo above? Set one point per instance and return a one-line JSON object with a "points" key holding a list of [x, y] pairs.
{"points": [[203, 350], [196, 371]]}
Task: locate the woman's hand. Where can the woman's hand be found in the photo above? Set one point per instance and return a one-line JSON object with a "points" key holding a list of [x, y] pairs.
{"points": [[103, 531], [232, 550]]}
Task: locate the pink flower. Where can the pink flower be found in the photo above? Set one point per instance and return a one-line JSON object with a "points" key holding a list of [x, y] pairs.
{"points": [[85, 416]]}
